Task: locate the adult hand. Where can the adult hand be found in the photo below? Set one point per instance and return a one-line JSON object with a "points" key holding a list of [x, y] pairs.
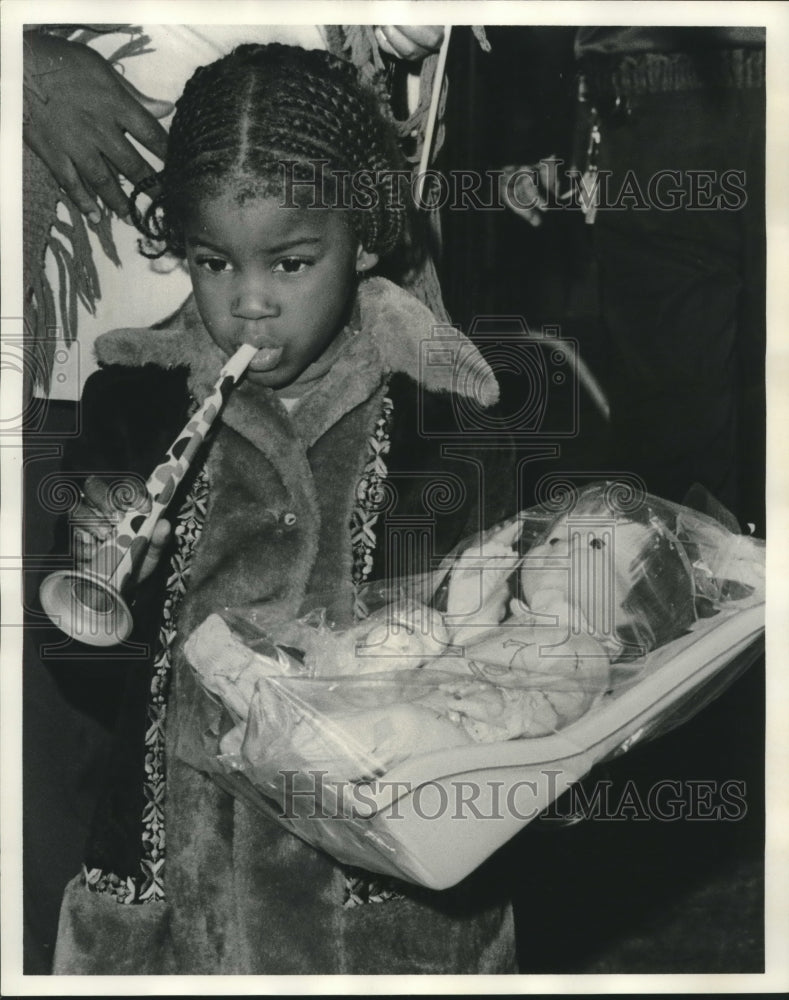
{"points": [[80, 113], [102, 505], [409, 41], [529, 191]]}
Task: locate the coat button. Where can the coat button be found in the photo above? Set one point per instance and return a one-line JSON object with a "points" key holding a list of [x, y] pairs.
{"points": [[289, 519]]}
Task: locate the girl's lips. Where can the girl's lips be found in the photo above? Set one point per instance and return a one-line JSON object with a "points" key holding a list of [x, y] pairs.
{"points": [[265, 359]]}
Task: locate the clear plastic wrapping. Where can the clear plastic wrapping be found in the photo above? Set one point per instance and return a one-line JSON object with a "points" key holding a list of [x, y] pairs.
{"points": [[533, 651]]}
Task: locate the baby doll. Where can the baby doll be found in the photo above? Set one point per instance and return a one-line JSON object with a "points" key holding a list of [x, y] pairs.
{"points": [[522, 648]]}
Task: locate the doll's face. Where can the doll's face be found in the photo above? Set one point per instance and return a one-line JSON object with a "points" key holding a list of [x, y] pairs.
{"points": [[278, 277], [586, 565]]}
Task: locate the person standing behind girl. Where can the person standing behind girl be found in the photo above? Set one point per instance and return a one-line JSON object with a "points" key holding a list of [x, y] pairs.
{"points": [[336, 412]]}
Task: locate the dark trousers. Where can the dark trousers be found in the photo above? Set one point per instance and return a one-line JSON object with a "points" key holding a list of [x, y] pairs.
{"points": [[683, 293]]}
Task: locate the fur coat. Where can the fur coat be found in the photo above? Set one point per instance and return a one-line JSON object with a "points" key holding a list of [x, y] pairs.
{"points": [[241, 895]]}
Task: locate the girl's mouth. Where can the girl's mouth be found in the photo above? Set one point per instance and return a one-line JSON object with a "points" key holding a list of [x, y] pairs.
{"points": [[266, 359]]}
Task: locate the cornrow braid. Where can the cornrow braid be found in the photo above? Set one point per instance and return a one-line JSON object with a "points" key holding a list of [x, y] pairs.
{"points": [[262, 105], [149, 221]]}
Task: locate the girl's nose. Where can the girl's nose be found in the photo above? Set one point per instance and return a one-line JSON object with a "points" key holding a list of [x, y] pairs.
{"points": [[253, 301]]}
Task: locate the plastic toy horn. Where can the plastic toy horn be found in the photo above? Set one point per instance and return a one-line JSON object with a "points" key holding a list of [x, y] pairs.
{"points": [[87, 603]]}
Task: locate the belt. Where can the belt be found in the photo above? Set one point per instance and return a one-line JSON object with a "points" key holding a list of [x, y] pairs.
{"points": [[606, 81]]}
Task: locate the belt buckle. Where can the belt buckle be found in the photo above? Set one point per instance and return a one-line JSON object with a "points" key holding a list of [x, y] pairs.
{"points": [[617, 109]]}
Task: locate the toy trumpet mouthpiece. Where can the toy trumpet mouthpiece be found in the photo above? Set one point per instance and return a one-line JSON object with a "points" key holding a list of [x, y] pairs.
{"points": [[86, 607]]}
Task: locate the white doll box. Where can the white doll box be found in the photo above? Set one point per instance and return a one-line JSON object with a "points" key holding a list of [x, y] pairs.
{"points": [[433, 819]]}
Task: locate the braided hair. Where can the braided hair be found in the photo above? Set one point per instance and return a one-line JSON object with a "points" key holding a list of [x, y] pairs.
{"points": [[262, 106]]}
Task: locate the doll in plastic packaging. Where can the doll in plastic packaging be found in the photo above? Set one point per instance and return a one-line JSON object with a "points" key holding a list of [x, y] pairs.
{"points": [[517, 639]]}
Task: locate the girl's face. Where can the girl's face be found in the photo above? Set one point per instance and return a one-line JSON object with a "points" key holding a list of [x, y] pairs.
{"points": [[280, 278]]}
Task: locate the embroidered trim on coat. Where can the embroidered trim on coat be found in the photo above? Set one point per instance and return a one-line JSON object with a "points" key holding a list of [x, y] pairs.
{"points": [[359, 890], [148, 885], [367, 510]]}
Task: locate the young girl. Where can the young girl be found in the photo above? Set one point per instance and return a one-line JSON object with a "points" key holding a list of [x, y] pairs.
{"points": [[281, 507]]}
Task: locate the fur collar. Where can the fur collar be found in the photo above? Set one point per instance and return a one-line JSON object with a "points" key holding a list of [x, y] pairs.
{"points": [[396, 330]]}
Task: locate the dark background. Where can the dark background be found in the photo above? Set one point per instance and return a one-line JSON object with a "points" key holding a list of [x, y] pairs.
{"points": [[598, 896]]}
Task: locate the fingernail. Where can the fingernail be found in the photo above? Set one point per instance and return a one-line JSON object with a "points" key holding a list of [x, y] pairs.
{"points": [[94, 217]]}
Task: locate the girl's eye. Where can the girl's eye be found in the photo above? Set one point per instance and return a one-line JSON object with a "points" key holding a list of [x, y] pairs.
{"points": [[554, 541], [292, 265], [216, 265]]}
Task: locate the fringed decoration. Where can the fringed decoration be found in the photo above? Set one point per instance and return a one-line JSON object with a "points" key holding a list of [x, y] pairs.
{"points": [[481, 37], [77, 276], [67, 239], [138, 45], [357, 43]]}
